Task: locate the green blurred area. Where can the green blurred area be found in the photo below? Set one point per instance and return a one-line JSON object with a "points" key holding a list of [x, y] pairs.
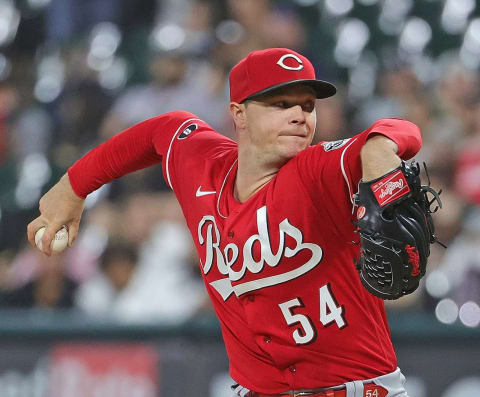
{"points": [[37, 324]]}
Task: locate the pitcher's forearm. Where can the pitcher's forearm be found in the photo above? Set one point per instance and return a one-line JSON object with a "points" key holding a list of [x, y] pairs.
{"points": [[379, 156]]}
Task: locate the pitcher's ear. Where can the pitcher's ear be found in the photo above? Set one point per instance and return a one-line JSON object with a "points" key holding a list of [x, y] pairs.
{"points": [[238, 112]]}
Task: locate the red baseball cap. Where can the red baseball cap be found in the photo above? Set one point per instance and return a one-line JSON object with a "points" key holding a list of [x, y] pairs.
{"points": [[266, 70]]}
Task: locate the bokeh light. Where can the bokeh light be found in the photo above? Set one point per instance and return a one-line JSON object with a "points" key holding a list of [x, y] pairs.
{"points": [[392, 16], [446, 311], [229, 31], [34, 173], [415, 35], [437, 284], [469, 314], [168, 37], [470, 49], [338, 7], [352, 38], [115, 76], [455, 15], [50, 78], [9, 21]]}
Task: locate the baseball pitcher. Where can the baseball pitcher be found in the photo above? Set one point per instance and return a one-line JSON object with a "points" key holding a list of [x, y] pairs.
{"points": [[299, 245]]}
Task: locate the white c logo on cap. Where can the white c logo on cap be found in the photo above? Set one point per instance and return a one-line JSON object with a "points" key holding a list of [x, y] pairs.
{"points": [[282, 64]]}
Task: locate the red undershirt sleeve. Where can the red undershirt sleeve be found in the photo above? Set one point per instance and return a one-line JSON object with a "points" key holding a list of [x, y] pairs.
{"points": [[404, 133], [137, 147]]}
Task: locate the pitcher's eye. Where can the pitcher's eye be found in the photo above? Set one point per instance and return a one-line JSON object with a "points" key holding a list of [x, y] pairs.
{"points": [[281, 104]]}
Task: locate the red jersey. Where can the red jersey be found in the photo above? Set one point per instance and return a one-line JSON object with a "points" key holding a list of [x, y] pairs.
{"points": [[279, 267]]}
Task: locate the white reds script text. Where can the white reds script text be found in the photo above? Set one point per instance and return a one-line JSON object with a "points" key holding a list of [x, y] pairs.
{"points": [[209, 235]]}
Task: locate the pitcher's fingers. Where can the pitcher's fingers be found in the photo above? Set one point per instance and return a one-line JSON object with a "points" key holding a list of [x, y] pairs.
{"points": [[48, 236], [32, 228], [72, 233]]}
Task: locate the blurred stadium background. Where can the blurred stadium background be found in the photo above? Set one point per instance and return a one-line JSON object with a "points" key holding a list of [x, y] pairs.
{"points": [[123, 313]]}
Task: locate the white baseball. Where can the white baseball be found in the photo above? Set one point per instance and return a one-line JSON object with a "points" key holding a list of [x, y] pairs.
{"points": [[59, 242]]}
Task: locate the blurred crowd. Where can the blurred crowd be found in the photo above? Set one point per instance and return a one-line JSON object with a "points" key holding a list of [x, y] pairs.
{"points": [[76, 73]]}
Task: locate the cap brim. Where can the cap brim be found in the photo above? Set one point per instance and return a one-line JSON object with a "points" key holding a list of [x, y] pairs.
{"points": [[323, 89]]}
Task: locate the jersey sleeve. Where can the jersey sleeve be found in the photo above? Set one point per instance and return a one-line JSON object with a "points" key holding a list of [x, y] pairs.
{"points": [[137, 147], [333, 169]]}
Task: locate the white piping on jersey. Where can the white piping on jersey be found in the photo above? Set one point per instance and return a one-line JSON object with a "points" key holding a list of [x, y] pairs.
{"points": [[170, 147], [345, 174], [221, 190]]}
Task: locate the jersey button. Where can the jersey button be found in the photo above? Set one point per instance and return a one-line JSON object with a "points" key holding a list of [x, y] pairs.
{"points": [[292, 368], [267, 339], [251, 298], [231, 234]]}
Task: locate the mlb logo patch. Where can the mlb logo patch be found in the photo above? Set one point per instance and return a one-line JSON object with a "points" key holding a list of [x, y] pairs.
{"points": [[332, 145], [187, 131]]}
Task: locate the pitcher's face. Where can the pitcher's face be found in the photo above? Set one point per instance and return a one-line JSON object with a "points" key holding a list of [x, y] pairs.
{"points": [[281, 124]]}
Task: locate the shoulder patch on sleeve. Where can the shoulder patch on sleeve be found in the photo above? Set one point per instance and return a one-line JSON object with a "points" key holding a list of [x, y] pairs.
{"points": [[187, 131], [332, 145]]}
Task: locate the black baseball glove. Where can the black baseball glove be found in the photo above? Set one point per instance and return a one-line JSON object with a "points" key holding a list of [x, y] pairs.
{"points": [[396, 230]]}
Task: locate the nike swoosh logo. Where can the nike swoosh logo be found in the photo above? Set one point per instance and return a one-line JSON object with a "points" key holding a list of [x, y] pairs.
{"points": [[201, 193]]}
